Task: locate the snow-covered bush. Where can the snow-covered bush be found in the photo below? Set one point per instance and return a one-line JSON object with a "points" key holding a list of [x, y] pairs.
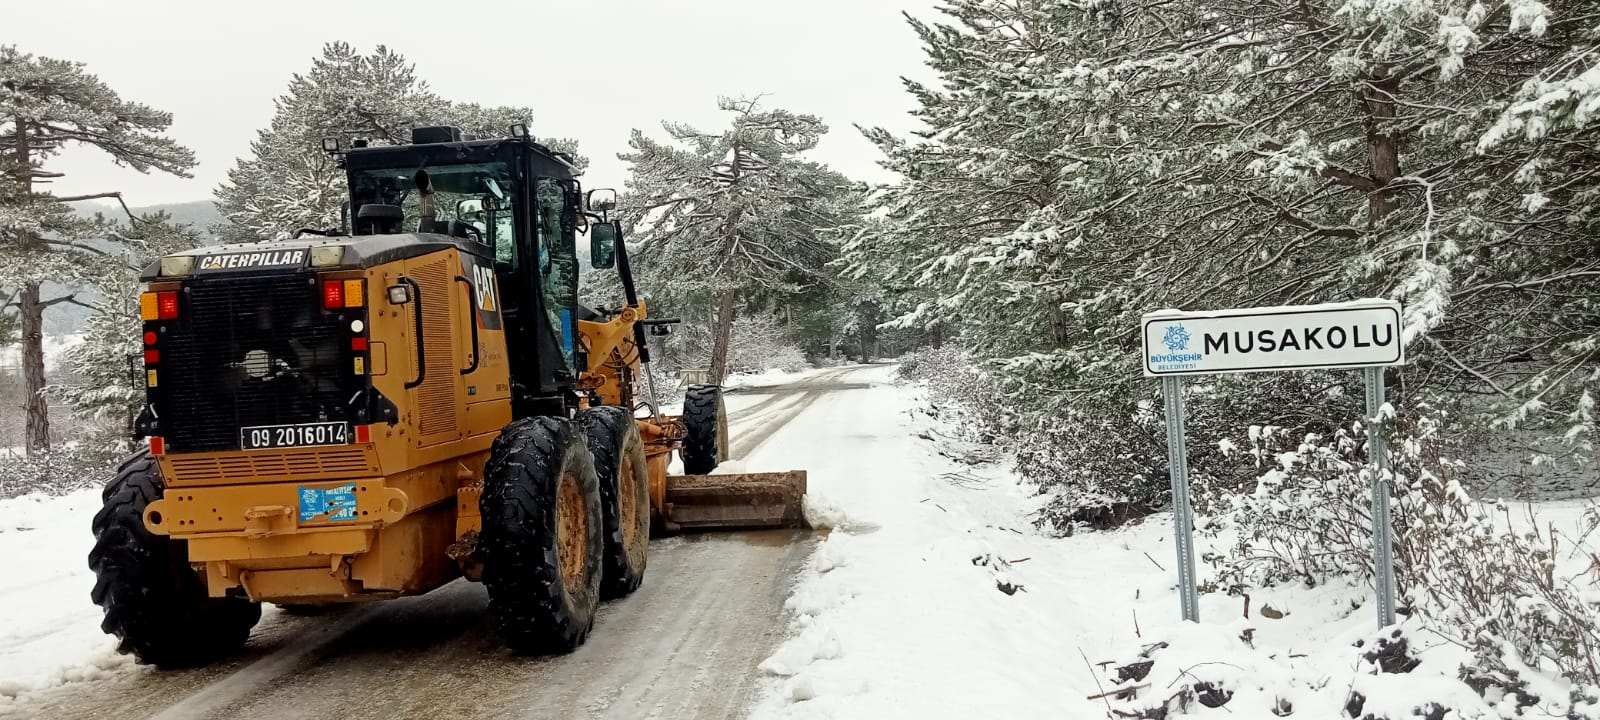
{"points": [[1520, 593], [759, 343], [88, 463], [959, 395]]}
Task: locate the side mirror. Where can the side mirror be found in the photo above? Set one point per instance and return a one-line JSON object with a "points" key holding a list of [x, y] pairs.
{"points": [[602, 200], [603, 245]]}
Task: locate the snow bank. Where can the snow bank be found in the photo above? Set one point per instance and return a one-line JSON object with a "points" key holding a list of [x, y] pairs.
{"points": [[49, 629], [930, 597]]}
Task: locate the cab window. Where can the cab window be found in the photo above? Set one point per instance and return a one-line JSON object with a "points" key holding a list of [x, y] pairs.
{"points": [[558, 263]]}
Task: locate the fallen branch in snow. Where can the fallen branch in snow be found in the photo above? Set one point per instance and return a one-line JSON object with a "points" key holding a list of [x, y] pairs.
{"points": [[1097, 685], [1153, 562], [1118, 692]]}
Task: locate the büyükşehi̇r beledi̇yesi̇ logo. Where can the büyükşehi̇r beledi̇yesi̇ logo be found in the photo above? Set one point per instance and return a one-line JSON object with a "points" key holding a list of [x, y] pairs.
{"points": [[1176, 338]]}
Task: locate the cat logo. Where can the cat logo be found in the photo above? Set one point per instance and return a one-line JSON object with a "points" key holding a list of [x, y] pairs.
{"points": [[483, 292], [483, 283]]}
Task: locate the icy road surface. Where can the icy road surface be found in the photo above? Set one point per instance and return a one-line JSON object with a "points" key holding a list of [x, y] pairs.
{"points": [[686, 645]]}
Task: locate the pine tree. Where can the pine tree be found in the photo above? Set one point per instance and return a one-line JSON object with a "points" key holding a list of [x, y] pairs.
{"points": [[45, 106], [734, 216], [109, 365], [288, 182], [1086, 163]]}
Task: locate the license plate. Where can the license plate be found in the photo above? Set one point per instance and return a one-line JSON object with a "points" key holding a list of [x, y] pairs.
{"points": [[267, 437]]}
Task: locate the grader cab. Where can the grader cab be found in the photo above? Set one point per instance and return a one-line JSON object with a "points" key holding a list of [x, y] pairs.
{"points": [[375, 411]]}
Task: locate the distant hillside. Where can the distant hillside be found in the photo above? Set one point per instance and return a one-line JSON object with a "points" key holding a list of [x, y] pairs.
{"points": [[68, 318], [201, 214]]}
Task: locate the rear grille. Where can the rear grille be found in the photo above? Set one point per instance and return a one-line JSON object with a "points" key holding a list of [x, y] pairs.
{"points": [[270, 465], [227, 324]]}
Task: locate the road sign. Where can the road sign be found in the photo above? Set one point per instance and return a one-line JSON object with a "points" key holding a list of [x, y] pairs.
{"points": [[1364, 333]]}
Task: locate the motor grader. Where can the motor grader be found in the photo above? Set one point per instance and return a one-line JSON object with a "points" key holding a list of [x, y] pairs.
{"points": [[374, 411]]}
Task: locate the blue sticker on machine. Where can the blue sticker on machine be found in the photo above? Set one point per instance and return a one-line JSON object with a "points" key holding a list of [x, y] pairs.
{"points": [[566, 333], [336, 503]]}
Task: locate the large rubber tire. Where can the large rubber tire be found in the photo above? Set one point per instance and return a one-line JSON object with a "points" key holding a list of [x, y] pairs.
{"points": [[705, 421], [153, 601], [540, 543], [618, 452]]}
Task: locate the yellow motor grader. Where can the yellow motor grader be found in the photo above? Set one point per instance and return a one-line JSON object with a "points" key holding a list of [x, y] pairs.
{"points": [[375, 411]]}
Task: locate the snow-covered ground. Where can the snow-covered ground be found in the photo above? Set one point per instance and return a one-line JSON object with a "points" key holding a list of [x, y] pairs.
{"points": [[49, 629], [934, 597]]}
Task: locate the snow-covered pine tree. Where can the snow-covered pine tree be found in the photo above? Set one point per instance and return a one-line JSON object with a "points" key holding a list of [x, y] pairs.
{"points": [[288, 182], [1085, 163], [734, 216], [109, 365], [46, 105]]}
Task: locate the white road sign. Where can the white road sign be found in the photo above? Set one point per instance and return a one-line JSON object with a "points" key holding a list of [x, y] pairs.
{"points": [[1362, 333]]}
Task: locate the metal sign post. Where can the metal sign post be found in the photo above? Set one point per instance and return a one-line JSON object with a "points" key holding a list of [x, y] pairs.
{"points": [[1363, 334], [1182, 511], [1382, 524]]}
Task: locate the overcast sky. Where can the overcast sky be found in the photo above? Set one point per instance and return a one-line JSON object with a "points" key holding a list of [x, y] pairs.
{"points": [[218, 64]]}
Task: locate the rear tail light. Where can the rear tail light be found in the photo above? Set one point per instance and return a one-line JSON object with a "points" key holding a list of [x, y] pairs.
{"points": [[343, 294], [333, 294], [363, 433], [158, 305], [152, 357], [158, 445]]}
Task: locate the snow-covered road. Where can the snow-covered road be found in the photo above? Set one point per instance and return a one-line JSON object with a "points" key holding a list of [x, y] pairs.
{"points": [[925, 593], [686, 645]]}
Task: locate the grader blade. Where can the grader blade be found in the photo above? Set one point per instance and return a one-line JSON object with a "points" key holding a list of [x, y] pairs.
{"points": [[743, 500]]}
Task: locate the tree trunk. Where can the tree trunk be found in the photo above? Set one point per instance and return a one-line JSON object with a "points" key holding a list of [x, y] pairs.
{"points": [[721, 337], [1383, 151], [869, 332], [36, 408]]}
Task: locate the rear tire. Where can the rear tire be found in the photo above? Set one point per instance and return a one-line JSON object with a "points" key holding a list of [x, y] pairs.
{"points": [[153, 601], [541, 544], [618, 452], [705, 420]]}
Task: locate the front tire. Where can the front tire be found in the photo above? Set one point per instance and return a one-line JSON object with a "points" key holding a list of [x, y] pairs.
{"points": [[705, 420], [618, 452], [153, 601], [540, 543]]}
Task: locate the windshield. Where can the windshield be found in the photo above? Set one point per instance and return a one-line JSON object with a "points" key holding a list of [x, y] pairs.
{"points": [[477, 196]]}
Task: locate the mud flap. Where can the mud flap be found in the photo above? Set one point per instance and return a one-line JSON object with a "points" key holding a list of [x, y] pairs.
{"points": [[732, 501]]}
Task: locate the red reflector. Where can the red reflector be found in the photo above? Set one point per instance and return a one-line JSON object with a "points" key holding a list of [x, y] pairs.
{"points": [[358, 344], [158, 446], [167, 305], [149, 338], [152, 357], [333, 294], [363, 433]]}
